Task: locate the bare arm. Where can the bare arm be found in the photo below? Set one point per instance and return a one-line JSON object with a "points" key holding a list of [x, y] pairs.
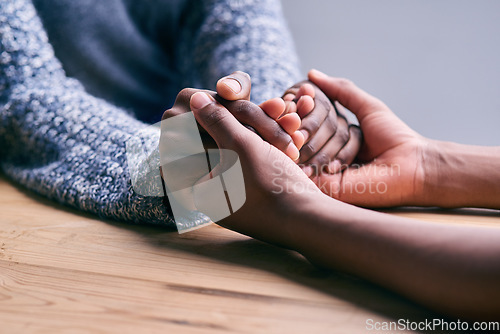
{"points": [[451, 269], [462, 176], [454, 269]]}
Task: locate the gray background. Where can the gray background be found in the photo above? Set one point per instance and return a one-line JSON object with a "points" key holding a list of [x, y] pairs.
{"points": [[435, 63]]}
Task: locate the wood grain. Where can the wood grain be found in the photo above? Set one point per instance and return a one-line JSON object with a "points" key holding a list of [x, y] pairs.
{"points": [[66, 272]]}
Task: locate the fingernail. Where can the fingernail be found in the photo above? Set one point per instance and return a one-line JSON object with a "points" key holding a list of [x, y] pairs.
{"points": [[233, 84], [308, 170], [305, 105], [290, 108], [306, 135], [287, 109], [318, 74], [289, 97], [334, 167], [200, 100], [292, 151], [298, 139]]}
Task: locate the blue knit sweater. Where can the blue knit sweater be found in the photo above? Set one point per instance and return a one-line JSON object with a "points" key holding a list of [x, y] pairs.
{"points": [[70, 98]]}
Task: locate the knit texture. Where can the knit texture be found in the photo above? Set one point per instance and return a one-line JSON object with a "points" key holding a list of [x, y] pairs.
{"points": [[63, 143]]}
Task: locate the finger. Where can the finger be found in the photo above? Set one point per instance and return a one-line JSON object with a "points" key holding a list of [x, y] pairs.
{"points": [[290, 107], [304, 98], [252, 115], [305, 105], [290, 123], [326, 155], [298, 139], [181, 104], [217, 121], [306, 90], [316, 143], [294, 89], [274, 108], [312, 122], [236, 86], [348, 94], [289, 97], [348, 153]]}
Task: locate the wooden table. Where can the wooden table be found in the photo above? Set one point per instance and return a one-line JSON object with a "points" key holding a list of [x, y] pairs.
{"points": [[64, 271]]}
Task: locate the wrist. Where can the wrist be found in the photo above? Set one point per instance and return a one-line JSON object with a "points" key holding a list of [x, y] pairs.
{"points": [[279, 219], [317, 220], [457, 175], [431, 164], [302, 217]]}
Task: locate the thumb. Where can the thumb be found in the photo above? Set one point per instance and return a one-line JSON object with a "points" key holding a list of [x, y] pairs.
{"points": [[222, 126], [348, 94], [236, 86]]}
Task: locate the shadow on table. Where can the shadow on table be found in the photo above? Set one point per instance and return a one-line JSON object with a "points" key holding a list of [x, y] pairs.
{"points": [[292, 266], [285, 263]]}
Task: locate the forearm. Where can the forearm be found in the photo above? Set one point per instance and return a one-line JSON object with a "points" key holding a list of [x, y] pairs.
{"points": [[452, 269], [55, 138], [461, 176]]}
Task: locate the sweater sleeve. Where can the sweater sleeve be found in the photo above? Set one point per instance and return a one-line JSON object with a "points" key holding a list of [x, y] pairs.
{"points": [[244, 35], [56, 139]]}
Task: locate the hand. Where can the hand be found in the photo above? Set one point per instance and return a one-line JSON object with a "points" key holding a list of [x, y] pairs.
{"points": [[393, 154], [271, 178], [331, 143], [233, 92], [339, 236]]}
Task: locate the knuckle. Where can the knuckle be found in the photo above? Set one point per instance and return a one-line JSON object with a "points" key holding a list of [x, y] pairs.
{"points": [[184, 97], [187, 92], [215, 117], [295, 88], [308, 150], [243, 110], [292, 90], [344, 154], [321, 160], [280, 138], [168, 113], [344, 135], [311, 124], [332, 123], [325, 104]]}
